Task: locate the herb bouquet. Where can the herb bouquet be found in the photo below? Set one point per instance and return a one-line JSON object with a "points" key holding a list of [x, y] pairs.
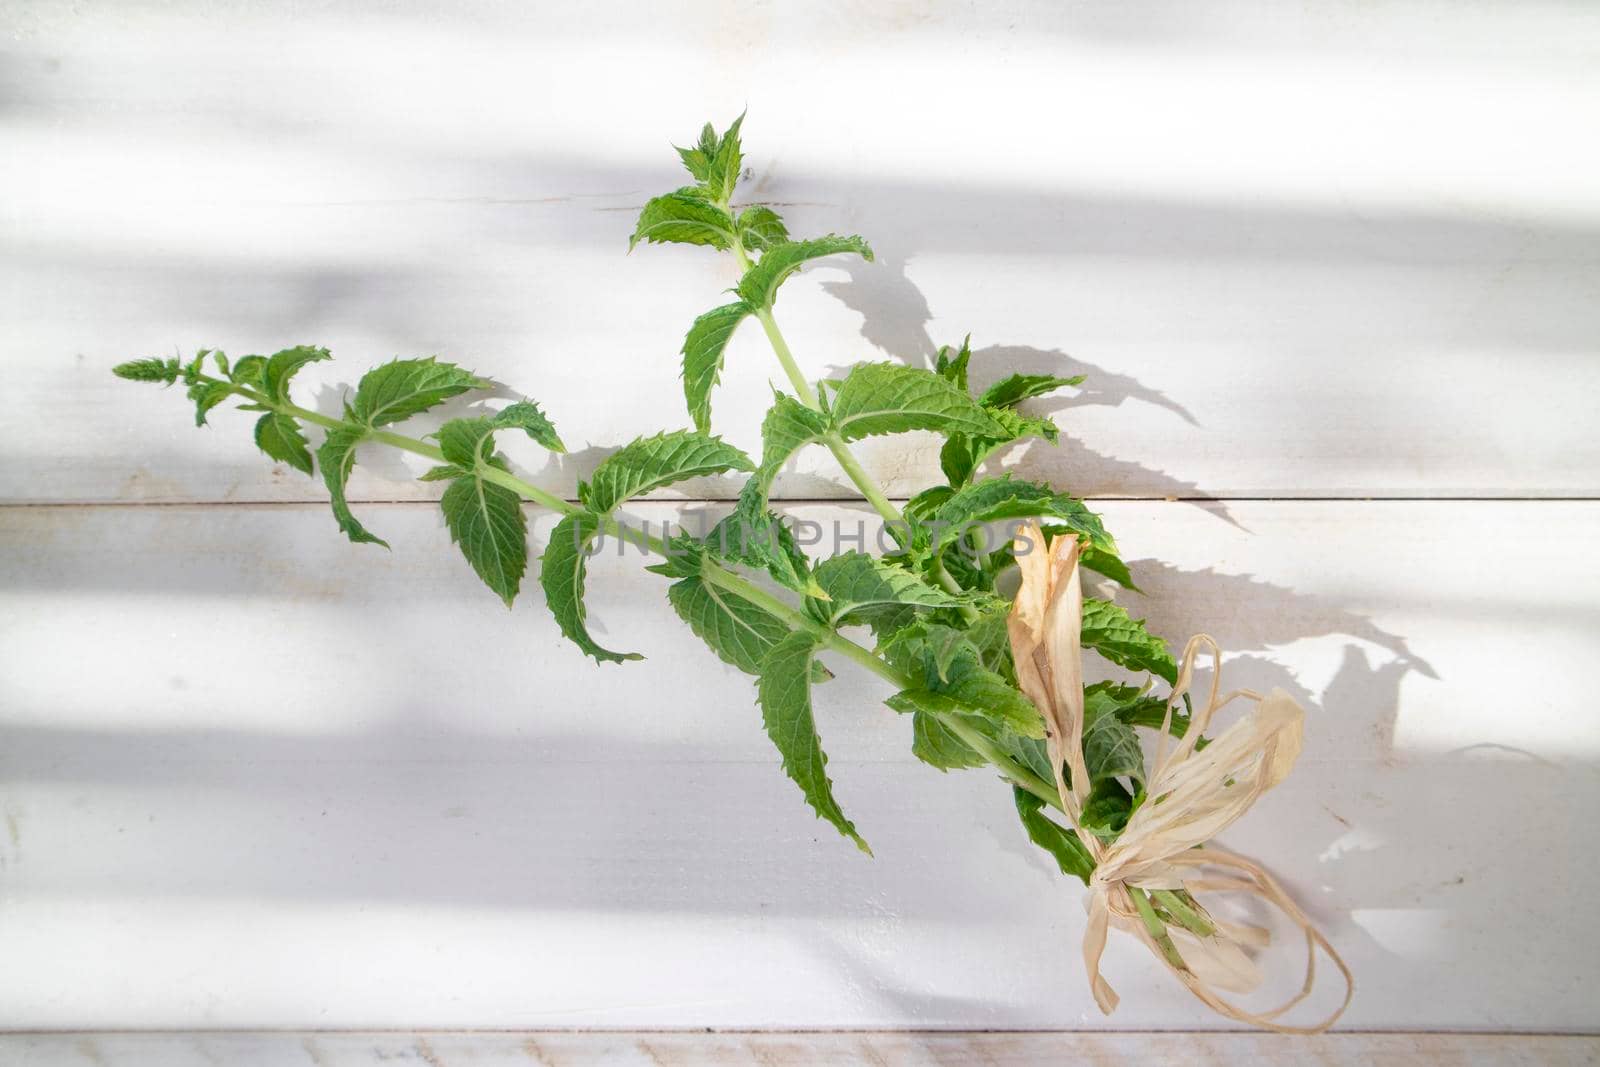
{"points": [[986, 679]]}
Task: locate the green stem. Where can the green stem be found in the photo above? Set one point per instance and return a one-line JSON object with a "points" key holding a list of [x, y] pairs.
{"points": [[780, 348], [864, 482], [833, 641], [711, 571], [417, 447]]}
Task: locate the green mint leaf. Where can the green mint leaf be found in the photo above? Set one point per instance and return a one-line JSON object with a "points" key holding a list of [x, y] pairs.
{"points": [[402, 388], [684, 217], [1014, 389], [279, 436], [953, 367], [148, 370], [443, 474], [759, 286], [486, 520], [722, 173], [739, 632], [207, 395], [1070, 854], [760, 228], [1109, 630], [336, 457], [952, 678], [562, 574], [1100, 561], [752, 535], [925, 503], [282, 366], [789, 426], [995, 499], [1107, 810], [652, 462], [1111, 748], [698, 158], [784, 693], [249, 372], [702, 358], [859, 586], [933, 743], [190, 371], [466, 442], [962, 453], [977, 694], [526, 416], [879, 398]]}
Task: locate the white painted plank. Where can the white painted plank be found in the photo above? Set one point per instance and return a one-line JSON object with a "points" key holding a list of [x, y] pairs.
{"points": [[888, 1049], [1344, 251], [257, 777]]}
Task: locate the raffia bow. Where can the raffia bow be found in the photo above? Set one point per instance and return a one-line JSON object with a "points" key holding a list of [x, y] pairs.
{"points": [[1192, 794]]}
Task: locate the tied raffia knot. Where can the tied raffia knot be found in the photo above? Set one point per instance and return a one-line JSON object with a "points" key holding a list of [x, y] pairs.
{"points": [[1192, 794]]}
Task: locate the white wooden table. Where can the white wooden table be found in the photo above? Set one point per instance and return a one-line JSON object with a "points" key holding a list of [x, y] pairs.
{"points": [[1332, 274]]}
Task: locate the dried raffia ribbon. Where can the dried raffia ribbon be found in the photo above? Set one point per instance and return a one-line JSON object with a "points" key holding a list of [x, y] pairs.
{"points": [[1193, 794]]}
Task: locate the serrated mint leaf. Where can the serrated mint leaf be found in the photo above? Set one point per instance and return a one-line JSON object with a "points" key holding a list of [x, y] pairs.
{"points": [[759, 286], [927, 502], [753, 536], [1111, 748], [684, 217], [879, 398], [337, 456], [207, 395], [148, 370], [789, 426], [402, 388], [652, 462], [526, 416], [722, 173], [486, 520], [995, 499], [283, 366], [467, 441], [698, 159], [760, 228], [739, 632], [979, 694], [702, 358], [1108, 629], [1107, 563], [443, 473], [950, 675], [562, 574], [933, 743], [1014, 389], [784, 693], [248, 372], [1069, 853], [952, 366], [962, 453], [859, 586], [279, 436]]}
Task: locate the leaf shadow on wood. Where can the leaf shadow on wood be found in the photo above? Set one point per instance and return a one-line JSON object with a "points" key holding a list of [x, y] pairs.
{"points": [[895, 317]]}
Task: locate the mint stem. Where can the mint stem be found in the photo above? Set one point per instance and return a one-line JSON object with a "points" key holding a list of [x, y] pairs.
{"points": [[864, 482], [711, 570]]}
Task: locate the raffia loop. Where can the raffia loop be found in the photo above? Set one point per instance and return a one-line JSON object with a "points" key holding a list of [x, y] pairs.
{"points": [[1192, 795]]}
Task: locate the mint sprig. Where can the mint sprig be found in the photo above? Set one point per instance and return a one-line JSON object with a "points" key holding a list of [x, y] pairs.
{"points": [[929, 620]]}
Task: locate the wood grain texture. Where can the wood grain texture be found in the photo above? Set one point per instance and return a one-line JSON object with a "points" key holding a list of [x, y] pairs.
{"points": [[1348, 254], [250, 767], [546, 1049]]}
